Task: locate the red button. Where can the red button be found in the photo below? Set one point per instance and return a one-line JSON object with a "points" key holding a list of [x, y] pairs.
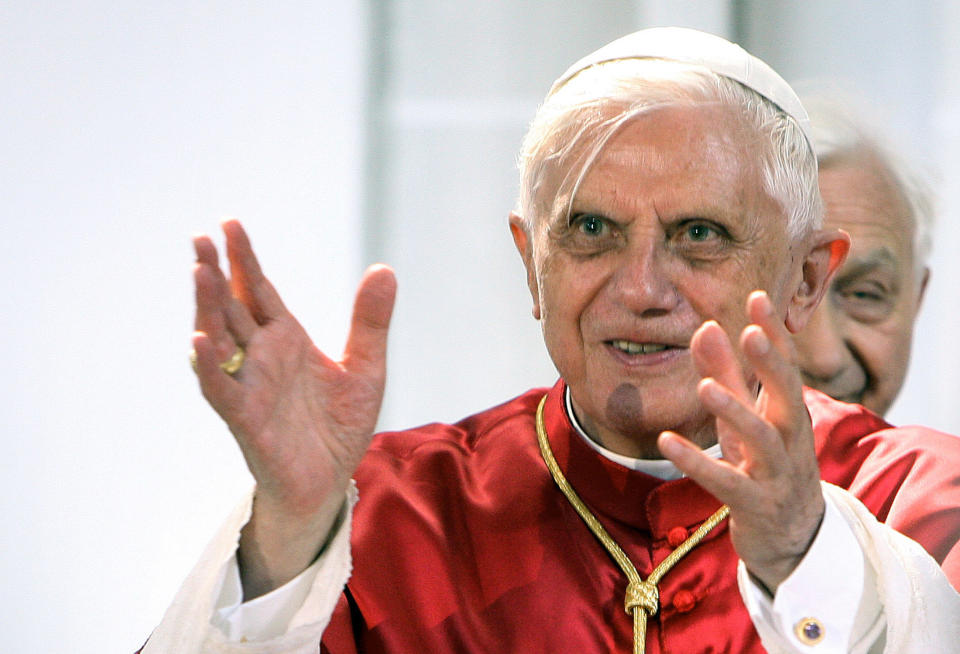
{"points": [[676, 537], [684, 601]]}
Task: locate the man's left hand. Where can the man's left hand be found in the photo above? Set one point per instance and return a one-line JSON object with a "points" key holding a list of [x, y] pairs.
{"points": [[769, 474]]}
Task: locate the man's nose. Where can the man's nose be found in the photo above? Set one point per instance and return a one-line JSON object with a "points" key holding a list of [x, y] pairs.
{"points": [[643, 283], [821, 346]]}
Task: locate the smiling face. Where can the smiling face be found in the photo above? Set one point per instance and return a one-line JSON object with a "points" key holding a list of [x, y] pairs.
{"points": [[857, 345], [670, 227]]}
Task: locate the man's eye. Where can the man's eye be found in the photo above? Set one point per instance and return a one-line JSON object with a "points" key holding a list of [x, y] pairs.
{"points": [[590, 225], [590, 234], [866, 292], [700, 232], [866, 301], [866, 296]]}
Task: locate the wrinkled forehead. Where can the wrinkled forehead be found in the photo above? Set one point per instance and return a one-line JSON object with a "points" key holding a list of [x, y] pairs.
{"points": [[581, 132], [634, 75], [862, 194]]}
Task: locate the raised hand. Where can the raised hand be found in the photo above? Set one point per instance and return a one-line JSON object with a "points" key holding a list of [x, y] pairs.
{"points": [[769, 474], [302, 420]]}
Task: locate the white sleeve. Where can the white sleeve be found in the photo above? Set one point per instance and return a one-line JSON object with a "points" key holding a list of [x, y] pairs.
{"points": [[816, 608], [207, 617], [861, 588]]}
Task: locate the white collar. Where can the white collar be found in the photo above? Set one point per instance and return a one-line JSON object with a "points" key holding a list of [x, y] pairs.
{"points": [[659, 468]]}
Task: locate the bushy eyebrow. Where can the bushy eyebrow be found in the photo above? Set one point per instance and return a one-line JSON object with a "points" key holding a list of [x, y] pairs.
{"points": [[875, 259]]}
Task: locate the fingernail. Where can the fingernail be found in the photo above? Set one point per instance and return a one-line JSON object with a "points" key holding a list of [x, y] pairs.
{"points": [[767, 304], [758, 341], [711, 389], [669, 447]]}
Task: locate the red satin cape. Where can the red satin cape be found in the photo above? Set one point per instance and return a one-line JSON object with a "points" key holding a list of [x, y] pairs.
{"points": [[462, 542]]}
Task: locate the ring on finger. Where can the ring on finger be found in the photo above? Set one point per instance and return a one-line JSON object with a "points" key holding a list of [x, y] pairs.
{"points": [[231, 366]]}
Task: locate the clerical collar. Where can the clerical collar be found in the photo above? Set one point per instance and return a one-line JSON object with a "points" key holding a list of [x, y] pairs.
{"points": [[659, 468]]}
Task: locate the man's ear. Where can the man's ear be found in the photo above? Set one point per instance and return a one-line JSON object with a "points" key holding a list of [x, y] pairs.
{"points": [[827, 250], [524, 242], [923, 289]]}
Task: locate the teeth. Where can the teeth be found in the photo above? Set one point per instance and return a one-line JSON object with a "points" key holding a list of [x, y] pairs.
{"points": [[638, 348]]}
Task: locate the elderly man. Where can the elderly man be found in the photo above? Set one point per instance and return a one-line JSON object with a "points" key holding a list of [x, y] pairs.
{"points": [[668, 224], [856, 346]]}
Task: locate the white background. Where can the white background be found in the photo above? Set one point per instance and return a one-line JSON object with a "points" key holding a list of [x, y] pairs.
{"points": [[340, 133]]}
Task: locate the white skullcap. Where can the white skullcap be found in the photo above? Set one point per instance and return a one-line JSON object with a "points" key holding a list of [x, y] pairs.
{"points": [[689, 46]]}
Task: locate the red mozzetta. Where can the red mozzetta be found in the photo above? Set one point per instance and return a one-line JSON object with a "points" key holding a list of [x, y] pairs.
{"points": [[462, 542]]}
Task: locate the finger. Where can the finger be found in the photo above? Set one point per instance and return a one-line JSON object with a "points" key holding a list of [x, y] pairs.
{"points": [[761, 312], [781, 397], [221, 390], [770, 350], [756, 444], [214, 295], [247, 280], [366, 348], [714, 356], [206, 250], [718, 477], [239, 321], [779, 377], [210, 317]]}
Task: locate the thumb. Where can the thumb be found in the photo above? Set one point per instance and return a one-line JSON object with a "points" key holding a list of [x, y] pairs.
{"points": [[366, 349]]}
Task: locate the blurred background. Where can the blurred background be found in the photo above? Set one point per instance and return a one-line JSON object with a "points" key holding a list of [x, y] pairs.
{"points": [[341, 133]]}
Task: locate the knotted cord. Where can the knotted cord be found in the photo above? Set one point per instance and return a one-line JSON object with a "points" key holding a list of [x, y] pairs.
{"points": [[643, 596]]}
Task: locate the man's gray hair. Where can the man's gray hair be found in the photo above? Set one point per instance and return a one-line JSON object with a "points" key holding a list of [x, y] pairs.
{"points": [[576, 120], [842, 133]]}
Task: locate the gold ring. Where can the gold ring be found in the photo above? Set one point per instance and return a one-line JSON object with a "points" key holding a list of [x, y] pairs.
{"points": [[230, 366]]}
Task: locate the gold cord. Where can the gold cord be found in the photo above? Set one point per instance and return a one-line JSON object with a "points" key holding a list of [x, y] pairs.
{"points": [[643, 597]]}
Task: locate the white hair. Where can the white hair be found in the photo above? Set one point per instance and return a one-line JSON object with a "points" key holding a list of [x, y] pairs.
{"points": [[576, 121], [842, 133]]}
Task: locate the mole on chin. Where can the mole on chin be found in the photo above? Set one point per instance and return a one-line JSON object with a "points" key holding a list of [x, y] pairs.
{"points": [[625, 409]]}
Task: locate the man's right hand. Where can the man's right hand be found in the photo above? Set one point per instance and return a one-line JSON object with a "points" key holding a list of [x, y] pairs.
{"points": [[302, 420]]}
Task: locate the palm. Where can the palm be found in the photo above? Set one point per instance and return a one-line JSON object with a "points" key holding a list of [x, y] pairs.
{"points": [[305, 420], [769, 474], [302, 420]]}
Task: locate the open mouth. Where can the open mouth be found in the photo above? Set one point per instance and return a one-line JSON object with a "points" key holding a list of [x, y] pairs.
{"points": [[629, 347]]}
